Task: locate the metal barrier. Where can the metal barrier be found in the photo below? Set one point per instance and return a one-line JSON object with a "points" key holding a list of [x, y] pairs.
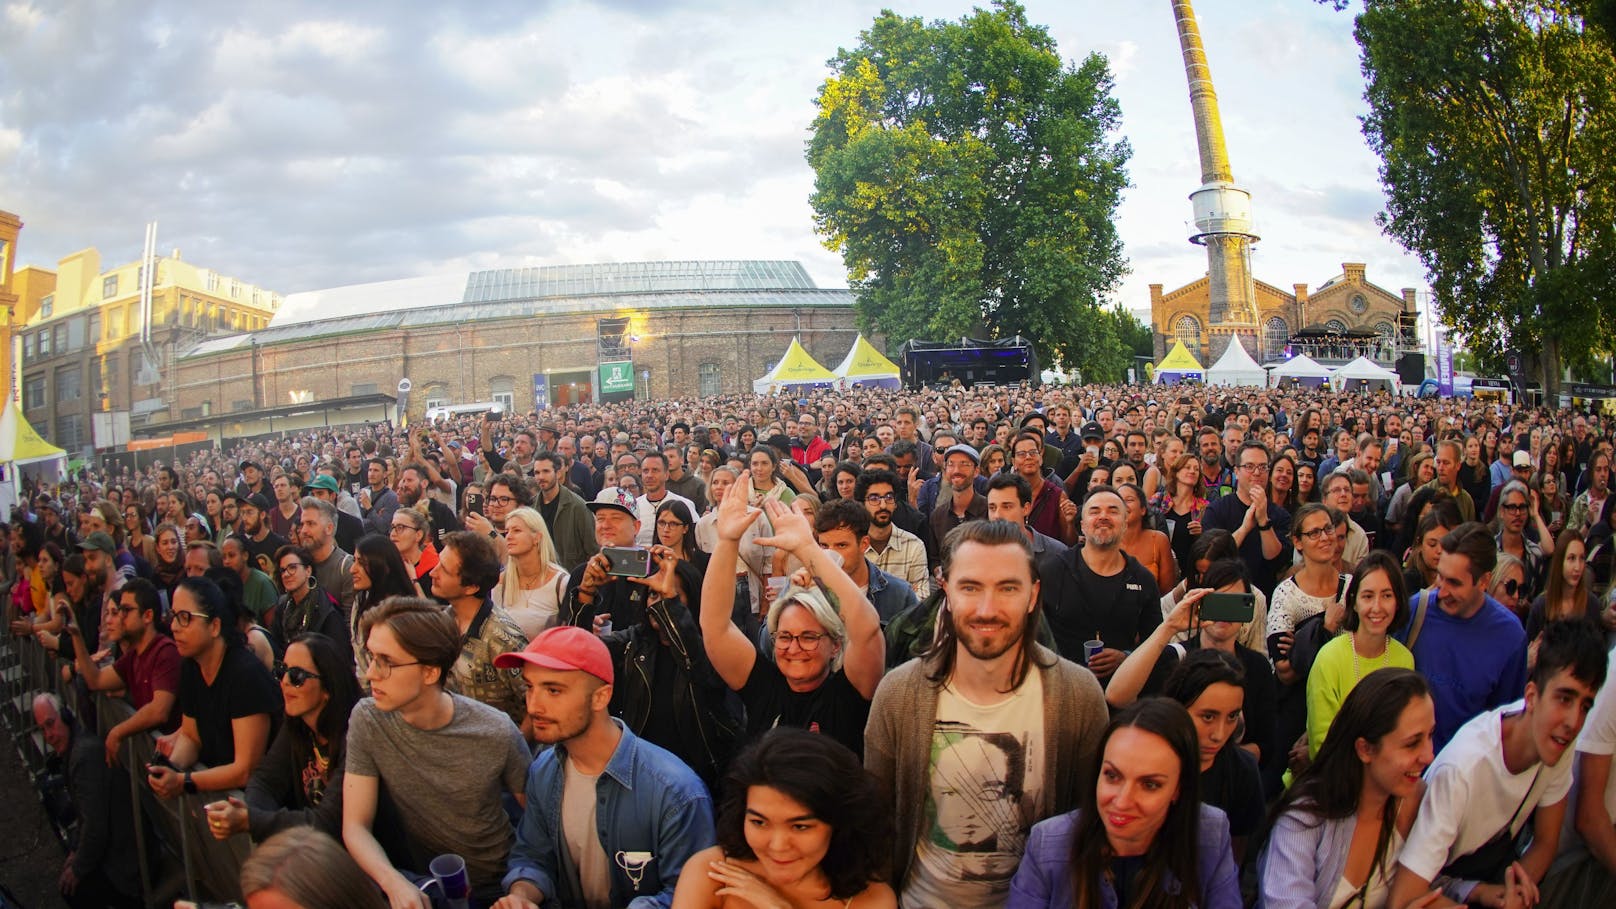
{"points": [[178, 828]]}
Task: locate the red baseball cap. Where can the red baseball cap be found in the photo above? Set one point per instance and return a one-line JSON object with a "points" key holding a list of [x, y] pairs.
{"points": [[564, 647]]}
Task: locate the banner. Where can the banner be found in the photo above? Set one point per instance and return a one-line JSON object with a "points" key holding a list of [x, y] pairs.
{"points": [[541, 391], [617, 378], [1444, 365]]}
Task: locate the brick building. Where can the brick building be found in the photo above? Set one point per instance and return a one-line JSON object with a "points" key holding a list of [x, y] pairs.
{"points": [[520, 337]]}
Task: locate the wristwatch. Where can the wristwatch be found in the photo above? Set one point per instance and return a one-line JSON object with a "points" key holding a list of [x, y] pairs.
{"points": [[190, 784], [1264, 528]]}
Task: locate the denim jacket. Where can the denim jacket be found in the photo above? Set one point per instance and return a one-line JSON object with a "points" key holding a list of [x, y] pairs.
{"points": [[648, 801], [889, 594]]}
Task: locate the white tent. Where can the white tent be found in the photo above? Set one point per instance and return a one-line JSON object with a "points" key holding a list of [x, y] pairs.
{"points": [[21, 446], [1364, 373], [1301, 369], [1236, 367]]}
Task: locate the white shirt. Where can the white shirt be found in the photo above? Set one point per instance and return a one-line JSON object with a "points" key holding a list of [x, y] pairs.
{"points": [[646, 511], [1598, 737]]}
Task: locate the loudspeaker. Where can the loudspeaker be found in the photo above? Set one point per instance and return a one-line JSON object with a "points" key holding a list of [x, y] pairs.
{"points": [[1411, 368]]}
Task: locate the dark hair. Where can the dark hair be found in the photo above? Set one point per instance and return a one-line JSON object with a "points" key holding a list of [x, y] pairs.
{"points": [[335, 665], [1224, 572], [1329, 788], [217, 606], [1200, 670], [1012, 481], [1378, 560], [681, 512], [479, 562], [388, 574], [997, 534], [424, 629], [868, 478], [1307, 510], [145, 593], [1575, 645], [1472, 541], [823, 776], [841, 513], [518, 487], [1175, 852]]}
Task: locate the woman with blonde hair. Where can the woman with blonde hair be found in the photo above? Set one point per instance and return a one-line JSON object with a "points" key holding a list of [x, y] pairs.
{"points": [[532, 584]]}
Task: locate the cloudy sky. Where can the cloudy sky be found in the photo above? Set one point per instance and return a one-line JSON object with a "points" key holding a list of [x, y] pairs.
{"points": [[303, 145]]}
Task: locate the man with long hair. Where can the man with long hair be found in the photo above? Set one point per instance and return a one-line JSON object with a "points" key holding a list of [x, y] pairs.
{"points": [[982, 736]]}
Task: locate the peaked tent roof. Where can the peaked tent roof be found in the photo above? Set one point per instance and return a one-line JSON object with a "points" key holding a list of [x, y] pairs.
{"points": [[1301, 366], [1365, 368], [795, 368], [864, 361], [19, 442], [1236, 367], [1179, 359]]}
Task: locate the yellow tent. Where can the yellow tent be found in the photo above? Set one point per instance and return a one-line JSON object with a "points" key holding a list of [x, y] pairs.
{"points": [[1179, 364], [865, 365], [796, 368], [19, 443]]}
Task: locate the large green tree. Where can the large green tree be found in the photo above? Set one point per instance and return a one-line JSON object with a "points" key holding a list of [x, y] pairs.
{"points": [[970, 178], [1495, 124]]}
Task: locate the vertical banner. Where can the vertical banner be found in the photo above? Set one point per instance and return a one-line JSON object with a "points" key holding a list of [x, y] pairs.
{"points": [[541, 391], [1444, 364]]}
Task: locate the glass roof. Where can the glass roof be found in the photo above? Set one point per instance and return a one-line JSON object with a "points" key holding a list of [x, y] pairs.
{"points": [[541, 282]]}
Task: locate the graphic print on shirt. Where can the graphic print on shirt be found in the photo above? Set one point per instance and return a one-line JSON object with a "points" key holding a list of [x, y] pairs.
{"points": [[976, 804]]}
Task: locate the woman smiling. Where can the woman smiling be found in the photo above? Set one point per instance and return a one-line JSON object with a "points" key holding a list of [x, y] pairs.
{"points": [[1377, 609]]}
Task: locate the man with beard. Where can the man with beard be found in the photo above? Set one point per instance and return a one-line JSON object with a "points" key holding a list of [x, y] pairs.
{"points": [[412, 480], [261, 542], [1099, 592], [1049, 510], [349, 528], [1216, 480], [376, 500], [353, 468], [1261, 529], [960, 502], [1449, 455], [986, 710], [149, 667], [572, 530], [600, 795], [893, 550]]}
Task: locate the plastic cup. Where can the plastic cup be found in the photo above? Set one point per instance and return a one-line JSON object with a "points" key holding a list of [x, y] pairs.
{"points": [[1090, 648], [450, 877]]}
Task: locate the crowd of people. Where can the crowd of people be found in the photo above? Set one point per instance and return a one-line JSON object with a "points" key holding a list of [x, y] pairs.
{"points": [[961, 646]]}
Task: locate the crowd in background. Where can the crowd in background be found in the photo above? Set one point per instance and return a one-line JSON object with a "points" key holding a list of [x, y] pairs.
{"points": [[970, 646]]}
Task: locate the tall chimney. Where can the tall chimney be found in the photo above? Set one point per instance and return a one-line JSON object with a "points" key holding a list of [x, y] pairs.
{"points": [[1222, 209]]}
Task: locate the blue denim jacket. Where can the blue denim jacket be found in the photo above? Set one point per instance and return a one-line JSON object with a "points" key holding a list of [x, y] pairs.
{"points": [[889, 594], [649, 801]]}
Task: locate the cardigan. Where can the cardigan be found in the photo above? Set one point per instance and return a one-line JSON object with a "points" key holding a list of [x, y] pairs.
{"points": [[898, 738], [1303, 860]]}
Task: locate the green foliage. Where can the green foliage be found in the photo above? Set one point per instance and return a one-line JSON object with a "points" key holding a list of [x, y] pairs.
{"points": [[968, 179], [1494, 123]]}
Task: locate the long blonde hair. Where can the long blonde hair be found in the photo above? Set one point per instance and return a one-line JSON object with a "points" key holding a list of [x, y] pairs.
{"points": [[511, 586]]}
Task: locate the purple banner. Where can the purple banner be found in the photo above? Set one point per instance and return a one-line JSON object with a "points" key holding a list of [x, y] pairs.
{"points": [[1444, 365]]}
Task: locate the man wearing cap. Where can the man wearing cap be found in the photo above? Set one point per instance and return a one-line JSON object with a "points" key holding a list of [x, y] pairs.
{"points": [[611, 819], [349, 528], [591, 592], [961, 502], [100, 565], [1520, 469], [252, 479], [261, 542]]}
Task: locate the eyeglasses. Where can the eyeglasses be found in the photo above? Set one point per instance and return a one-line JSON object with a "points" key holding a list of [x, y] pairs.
{"points": [[885, 498], [1254, 468], [182, 618], [1317, 532], [404, 526], [1515, 506], [808, 640], [502, 500], [381, 667], [1028, 453], [125, 610], [297, 675], [670, 525], [295, 566]]}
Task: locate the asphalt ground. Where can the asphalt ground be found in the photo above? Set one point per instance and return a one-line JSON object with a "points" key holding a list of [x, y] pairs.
{"points": [[30, 857]]}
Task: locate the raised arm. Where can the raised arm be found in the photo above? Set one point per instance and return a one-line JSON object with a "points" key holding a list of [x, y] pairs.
{"points": [[728, 649], [1130, 677]]}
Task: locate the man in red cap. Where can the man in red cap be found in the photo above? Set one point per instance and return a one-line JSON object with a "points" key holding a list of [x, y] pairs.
{"points": [[610, 818]]}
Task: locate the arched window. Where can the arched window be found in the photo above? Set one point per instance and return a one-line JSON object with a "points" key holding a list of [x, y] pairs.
{"points": [[436, 395], [1275, 334], [1188, 330], [711, 379], [502, 391]]}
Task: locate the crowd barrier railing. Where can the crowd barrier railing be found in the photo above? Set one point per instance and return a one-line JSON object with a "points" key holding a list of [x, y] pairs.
{"points": [[176, 831]]}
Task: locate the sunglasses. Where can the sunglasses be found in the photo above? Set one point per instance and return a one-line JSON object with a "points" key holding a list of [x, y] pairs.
{"points": [[297, 675], [1511, 586]]}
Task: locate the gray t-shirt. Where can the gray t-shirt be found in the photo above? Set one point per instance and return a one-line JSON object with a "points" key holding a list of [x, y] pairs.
{"points": [[446, 782], [585, 859]]}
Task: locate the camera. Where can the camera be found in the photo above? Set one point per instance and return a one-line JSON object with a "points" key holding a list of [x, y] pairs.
{"points": [[627, 561]]}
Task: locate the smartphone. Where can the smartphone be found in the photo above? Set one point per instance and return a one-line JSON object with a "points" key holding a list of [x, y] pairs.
{"points": [[474, 503], [627, 561], [1228, 607], [750, 490]]}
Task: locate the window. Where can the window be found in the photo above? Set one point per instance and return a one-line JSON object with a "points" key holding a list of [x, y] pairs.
{"points": [[93, 333], [137, 362], [109, 287], [190, 413], [211, 279], [28, 345], [44, 342], [363, 388], [75, 334], [1275, 334], [235, 289], [128, 321], [69, 383], [47, 305], [97, 364], [59, 337], [502, 390], [1335, 325], [33, 392], [237, 406], [1188, 330], [110, 372], [436, 395], [70, 431], [711, 379]]}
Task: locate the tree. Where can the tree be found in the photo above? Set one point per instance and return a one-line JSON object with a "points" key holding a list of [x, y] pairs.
{"points": [[968, 177], [1494, 124]]}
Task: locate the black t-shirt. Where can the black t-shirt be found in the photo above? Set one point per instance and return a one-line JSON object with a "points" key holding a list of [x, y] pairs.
{"points": [[835, 708], [1261, 695], [1234, 784], [547, 510], [242, 688], [1124, 608], [262, 552]]}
